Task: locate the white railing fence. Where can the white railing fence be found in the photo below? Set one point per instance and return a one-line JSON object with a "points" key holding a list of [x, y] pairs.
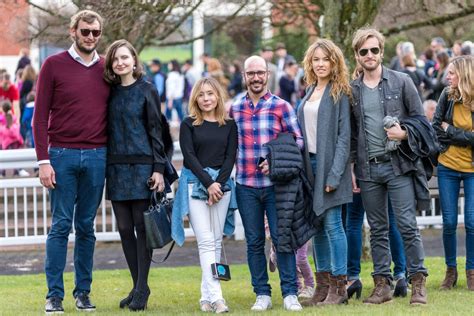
{"points": [[26, 216]]}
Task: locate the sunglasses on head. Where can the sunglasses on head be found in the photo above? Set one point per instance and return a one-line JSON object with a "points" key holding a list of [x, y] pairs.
{"points": [[373, 50], [86, 32]]}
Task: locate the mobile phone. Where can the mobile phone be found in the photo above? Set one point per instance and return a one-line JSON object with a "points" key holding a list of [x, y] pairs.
{"points": [[260, 160]]}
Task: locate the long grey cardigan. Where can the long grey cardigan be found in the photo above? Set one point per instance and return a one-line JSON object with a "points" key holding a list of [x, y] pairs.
{"points": [[332, 151]]}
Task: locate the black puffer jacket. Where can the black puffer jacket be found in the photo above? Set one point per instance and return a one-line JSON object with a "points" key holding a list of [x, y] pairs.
{"points": [[293, 194]]}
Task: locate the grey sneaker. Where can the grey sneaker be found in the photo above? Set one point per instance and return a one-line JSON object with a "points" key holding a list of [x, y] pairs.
{"points": [[220, 307], [206, 306], [263, 303], [83, 303], [290, 303], [54, 305]]}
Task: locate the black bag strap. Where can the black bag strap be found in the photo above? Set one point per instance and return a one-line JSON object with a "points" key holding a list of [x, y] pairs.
{"points": [[166, 257]]}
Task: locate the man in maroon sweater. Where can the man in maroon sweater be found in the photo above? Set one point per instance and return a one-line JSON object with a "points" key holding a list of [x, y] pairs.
{"points": [[70, 135]]}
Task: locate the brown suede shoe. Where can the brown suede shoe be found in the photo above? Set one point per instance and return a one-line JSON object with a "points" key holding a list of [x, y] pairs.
{"points": [[322, 289], [450, 279], [337, 293], [418, 289], [470, 279], [382, 292]]}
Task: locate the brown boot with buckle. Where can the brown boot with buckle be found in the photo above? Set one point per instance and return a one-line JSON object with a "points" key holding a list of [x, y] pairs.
{"points": [[470, 279], [382, 292], [418, 289], [321, 291], [450, 279], [337, 293]]}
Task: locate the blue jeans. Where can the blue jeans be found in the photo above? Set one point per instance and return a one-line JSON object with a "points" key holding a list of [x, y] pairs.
{"points": [[80, 175], [354, 222], [449, 180], [330, 244], [253, 204], [178, 106]]}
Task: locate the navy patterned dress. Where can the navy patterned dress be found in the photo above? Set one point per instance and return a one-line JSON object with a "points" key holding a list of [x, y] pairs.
{"points": [[135, 145]]}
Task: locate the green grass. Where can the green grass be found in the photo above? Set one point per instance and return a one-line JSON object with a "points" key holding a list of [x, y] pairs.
{"points": [[175, 291], [165, 54]]}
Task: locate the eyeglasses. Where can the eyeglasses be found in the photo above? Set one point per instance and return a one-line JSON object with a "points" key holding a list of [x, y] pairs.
{"points": [[86, 32], [373, 50], [251, 74]]}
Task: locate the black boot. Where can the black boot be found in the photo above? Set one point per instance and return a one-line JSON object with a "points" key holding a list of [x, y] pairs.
{"points": [[126, 301], [140, 300], [355, 287]]}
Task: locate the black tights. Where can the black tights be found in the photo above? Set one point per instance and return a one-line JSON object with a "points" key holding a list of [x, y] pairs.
{"points": [[129, 216]]}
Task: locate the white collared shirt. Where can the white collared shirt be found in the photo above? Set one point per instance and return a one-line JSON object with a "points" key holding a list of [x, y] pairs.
{"points": [[72, 51]]}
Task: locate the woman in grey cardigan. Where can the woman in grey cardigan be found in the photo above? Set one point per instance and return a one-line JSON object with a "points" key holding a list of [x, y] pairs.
{"points": [[324, 117]]}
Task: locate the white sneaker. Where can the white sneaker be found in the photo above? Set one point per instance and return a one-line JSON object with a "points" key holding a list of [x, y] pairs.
{"points": [[262, 303], [23, 173], [307, 292], [290, 303]]}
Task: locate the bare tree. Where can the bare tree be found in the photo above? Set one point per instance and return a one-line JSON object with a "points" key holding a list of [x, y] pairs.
{"points": [[142, 22], [338, 20]]}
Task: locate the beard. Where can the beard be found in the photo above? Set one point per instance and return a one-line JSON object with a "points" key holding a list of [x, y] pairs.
{"points": [[372, 66], [255, 90], [83, 49]]}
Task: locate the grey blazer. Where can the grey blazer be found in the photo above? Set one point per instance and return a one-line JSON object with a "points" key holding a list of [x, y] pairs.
{"points": [[333, 150]]}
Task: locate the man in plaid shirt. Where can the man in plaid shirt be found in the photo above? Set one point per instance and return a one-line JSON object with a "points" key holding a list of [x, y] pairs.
{"points": [[260, 117]]}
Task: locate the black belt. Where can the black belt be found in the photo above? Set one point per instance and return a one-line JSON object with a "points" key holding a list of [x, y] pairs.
{"points": [[380, 159]]}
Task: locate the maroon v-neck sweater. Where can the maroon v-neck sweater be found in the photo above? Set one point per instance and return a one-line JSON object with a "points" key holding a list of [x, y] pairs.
{"points": [[70, 105]]}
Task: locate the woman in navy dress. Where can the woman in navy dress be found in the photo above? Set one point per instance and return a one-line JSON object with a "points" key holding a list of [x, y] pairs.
{"points": [[136, 159]]}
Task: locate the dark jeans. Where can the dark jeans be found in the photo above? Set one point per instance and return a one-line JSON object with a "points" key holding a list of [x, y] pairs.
{"points": [[449, 182], [178, 106], [80, 175], [354, 222], [402, 196], [253, 204]]}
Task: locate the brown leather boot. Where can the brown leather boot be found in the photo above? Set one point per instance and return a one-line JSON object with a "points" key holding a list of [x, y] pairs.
{"points": [[470, 279], [450, 279], [321, 291], [418, 289], [382, 292], [337, 293]]}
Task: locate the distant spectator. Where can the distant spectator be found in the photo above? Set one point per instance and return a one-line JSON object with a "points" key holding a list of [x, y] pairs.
{"points": [[267, 54], [204, 58], [287, 82], [214, 70], [174, 90], [417, 76], [456, 49], [282, 59], [24, 59], [190, 78], [395, 62], [430, 63], [9, 128], [235, 86], [467, 48], [158, 79], [28, 79], [438, 44], [429, 106], [26, 120], [439, 82], [9, 92]]}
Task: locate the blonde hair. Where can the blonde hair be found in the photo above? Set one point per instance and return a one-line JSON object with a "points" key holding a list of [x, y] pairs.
{"points": [[87, 16], [339, 76], [463, 67], [29, 73], [194, 110], [363, 35]]}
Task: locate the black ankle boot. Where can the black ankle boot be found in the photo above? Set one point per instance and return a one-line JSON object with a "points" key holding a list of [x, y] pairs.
{"points": [[355, 287], [140, 300], [126, 301]]}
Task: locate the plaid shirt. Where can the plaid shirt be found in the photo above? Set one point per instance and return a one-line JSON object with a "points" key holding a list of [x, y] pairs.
{"points": [[257, 125]]}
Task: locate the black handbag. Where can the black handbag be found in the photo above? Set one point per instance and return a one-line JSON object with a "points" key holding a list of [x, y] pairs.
{"points": [[157, 221]]}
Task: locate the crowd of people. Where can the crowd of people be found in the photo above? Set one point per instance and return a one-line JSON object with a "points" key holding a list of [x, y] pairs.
{"points": [[313, 152]]}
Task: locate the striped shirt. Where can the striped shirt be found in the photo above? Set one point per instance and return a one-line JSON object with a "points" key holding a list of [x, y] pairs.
{"points": [[257, 125]]}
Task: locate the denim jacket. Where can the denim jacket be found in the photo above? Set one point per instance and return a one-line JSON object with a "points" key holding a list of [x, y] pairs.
{"points": [[181, 203], [399, 98]]}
